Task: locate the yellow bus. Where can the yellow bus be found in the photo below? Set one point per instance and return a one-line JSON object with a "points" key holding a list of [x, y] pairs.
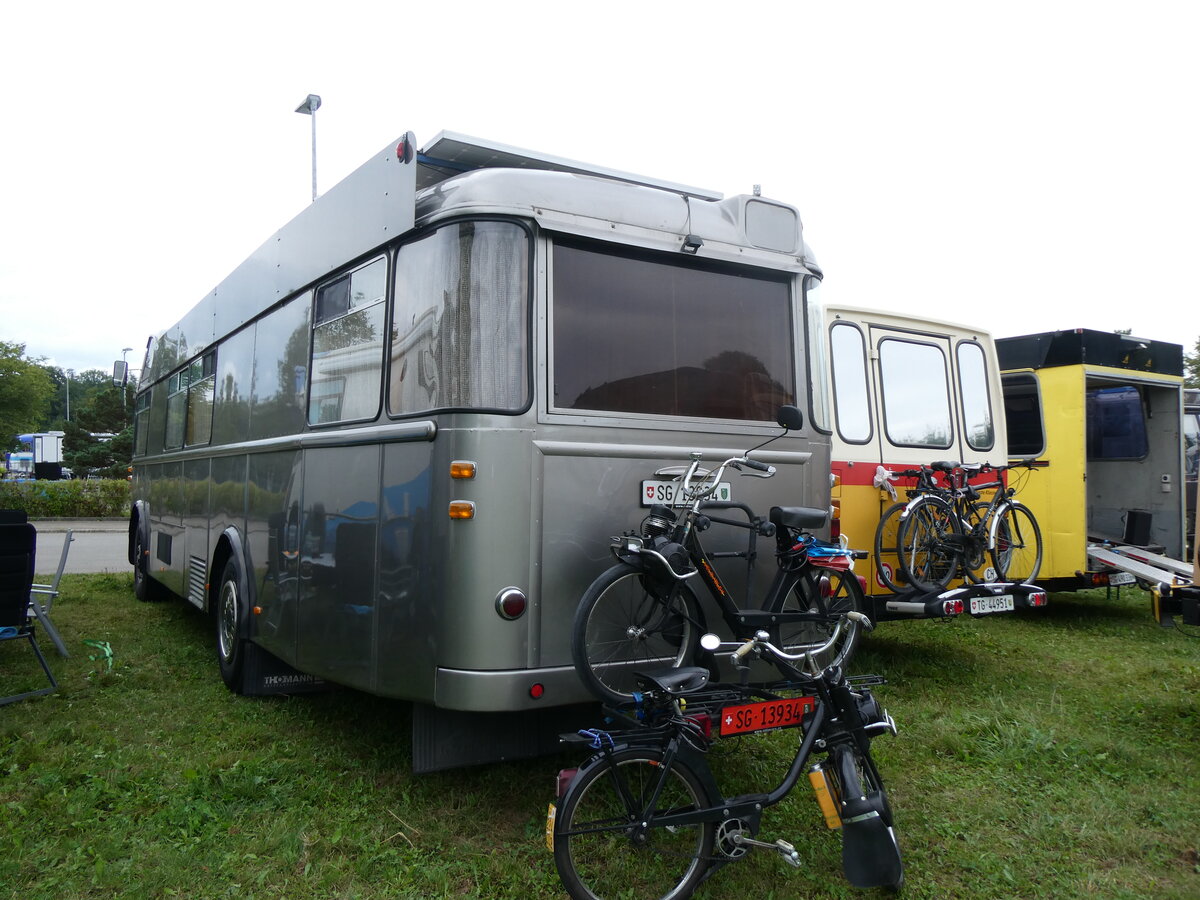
{"points": [[904, 391]]}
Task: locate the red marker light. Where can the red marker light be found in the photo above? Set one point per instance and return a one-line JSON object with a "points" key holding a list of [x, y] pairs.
{"points": [[536, 691], [405, 150]]}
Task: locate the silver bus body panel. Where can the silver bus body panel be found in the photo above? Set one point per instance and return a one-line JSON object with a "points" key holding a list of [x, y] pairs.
{"points": [[361, 576]]}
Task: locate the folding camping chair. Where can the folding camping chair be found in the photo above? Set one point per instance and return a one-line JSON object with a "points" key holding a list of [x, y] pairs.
{"points": [[18, 545], [41, 608]]}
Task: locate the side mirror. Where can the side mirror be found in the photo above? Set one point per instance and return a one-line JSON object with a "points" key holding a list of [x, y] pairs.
{"points": [[710, 642], [790, 418]]}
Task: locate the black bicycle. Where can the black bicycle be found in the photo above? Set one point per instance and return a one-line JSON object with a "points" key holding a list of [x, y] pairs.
{"points": [[642, 612], [947, 530], [643, 817]]}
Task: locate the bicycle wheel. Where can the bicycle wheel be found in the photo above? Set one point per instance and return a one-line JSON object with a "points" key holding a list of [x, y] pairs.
{"points": [[930, 544], [870, 848], [977, 563], [601, 850], [828, 593], [621, 628], [887, 549], [1018, 549]]}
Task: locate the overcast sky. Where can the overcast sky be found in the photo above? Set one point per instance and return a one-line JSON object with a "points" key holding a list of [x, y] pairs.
{"points": [[1023, 167]]}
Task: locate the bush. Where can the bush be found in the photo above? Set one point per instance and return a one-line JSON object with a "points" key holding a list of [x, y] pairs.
{"points": [[67, 499]]}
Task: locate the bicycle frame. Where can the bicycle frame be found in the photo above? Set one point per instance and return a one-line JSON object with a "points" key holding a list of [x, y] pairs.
{"points": [[741, 620]]}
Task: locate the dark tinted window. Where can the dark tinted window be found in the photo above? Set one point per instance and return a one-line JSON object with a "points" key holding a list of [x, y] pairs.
{"points": [[1023, 415], [662, 336], [1116, 424]]}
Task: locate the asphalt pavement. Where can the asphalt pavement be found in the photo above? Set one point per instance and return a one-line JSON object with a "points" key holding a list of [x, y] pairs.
{"points": [[97, 545]]}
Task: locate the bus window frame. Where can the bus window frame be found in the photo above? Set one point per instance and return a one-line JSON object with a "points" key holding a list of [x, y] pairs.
{"points": [[796, 338], [387, 256], [947, 386], [988, 405], [864, 356], [1008, 377], [532, 275]]}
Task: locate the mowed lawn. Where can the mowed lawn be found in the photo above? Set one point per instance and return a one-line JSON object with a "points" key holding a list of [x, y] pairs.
{"points": [[1054, 753]]}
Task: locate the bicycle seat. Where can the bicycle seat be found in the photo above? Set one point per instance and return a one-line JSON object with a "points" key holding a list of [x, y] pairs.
{"points": [[798, 516], [684, 680], [944, 465]]}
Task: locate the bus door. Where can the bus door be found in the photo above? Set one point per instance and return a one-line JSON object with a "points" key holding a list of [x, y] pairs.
{"points": [[904, 396]]}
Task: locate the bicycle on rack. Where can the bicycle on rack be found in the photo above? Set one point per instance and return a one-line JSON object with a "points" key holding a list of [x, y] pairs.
{"points": [[943, 531], [643, 612], [643, 817]]}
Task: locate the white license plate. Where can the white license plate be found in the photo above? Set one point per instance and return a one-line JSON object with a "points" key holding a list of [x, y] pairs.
{"points": [[666, 492], [1121, 578], [981, 606]]}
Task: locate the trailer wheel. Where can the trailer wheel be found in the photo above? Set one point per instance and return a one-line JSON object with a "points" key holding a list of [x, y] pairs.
{"points": [[231, 618]]}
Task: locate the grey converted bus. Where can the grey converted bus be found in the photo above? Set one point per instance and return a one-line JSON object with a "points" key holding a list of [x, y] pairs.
{"points": [[389, 450]]}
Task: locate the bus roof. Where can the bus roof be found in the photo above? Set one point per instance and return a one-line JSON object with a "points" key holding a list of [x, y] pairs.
{"points": [[451, 154], [378, 202], [1097, 348]]}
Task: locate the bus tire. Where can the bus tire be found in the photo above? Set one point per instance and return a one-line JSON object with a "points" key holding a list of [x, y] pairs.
{"points": [[145, 588], [230, 615]]}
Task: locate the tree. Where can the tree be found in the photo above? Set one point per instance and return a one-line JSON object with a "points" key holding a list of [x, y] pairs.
{"points": [[103, 412], [1191, 366], [25, 392]]}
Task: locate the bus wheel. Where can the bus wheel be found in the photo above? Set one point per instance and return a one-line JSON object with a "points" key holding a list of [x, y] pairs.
{"points": [[231, 617], [145, 588]]}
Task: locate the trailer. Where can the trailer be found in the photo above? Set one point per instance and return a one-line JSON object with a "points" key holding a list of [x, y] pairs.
{"points": [[1103, 412]]}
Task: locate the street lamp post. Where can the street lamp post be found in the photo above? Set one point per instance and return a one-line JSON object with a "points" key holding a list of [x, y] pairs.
{"points": [[309, 108], [70, 372]]}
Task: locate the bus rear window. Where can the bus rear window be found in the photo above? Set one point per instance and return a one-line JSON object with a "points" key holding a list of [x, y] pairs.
{"points": [[639, 334]]}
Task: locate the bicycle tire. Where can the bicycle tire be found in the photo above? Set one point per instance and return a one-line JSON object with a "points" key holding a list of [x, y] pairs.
{"points": [[839, 592], [1018, 550], [977, 563], [599, 849], [887, 550], [930, 543], [859, 789], [621, 628]]}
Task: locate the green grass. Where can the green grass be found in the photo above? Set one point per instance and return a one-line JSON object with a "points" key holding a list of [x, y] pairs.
{"points": [[1044, 754]]}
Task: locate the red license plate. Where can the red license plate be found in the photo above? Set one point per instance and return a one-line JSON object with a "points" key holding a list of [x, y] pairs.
{"points": [[765, 715]]}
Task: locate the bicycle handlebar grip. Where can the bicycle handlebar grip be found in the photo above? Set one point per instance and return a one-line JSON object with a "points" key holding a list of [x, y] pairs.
{"points": [[766, 529], [760, 466], [742, 651]]}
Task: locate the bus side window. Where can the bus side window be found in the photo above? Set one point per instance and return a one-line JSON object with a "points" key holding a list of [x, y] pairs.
{"points": [[848, 357], [200, 399], [976, 404], [1023, 415], [347, 353], [177, 386]]}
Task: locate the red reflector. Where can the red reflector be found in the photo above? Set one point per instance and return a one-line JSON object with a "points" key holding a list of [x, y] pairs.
{"points": [[952, 607], [405, 149], [536, 691], [1038, 598], [705, 723], [565, 777]]}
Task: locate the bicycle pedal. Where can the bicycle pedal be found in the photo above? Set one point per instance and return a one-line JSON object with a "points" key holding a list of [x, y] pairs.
{"points": [[788, 852]]}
